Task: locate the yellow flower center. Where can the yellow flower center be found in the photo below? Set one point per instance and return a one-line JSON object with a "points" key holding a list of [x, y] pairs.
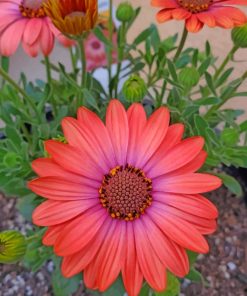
{"points": [[32, 8], [126, 193], [195, 6]]}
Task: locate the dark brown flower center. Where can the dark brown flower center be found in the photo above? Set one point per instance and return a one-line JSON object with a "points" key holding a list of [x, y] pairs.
{"points": [[195, 6], [126, 193], [32, 9]]}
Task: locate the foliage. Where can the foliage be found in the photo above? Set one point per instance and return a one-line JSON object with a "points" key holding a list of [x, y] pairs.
{"points": [[193, 87]]}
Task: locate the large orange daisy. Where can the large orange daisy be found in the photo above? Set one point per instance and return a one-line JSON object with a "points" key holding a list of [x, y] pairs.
{"points": [[124, 196], [197, 13]]}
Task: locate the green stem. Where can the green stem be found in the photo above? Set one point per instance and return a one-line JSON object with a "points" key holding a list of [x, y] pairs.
{"points": [[109, 50], [83, 62], [162, 93], [181, 44], [22, 92], [48, 70], [80, 42], [226, 61], [120, 55], [73, 60]]}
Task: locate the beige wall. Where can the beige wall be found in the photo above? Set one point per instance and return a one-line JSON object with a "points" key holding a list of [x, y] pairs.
{"points": [[220, 40]]}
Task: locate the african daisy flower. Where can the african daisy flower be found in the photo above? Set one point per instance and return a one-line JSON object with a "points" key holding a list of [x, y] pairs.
{"points": [[25, 22], [197, 13], [96, 53], [124, 197], [73, 17]]}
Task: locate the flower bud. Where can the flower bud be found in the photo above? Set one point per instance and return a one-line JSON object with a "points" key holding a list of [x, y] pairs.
{"points": [[125, 12], [189, 77], [12, 246], [134, 89], [239, 36]]}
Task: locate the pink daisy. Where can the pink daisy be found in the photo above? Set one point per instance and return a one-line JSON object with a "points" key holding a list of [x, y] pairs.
{"points": [[24, 21], [96, 53], [124, 196]]}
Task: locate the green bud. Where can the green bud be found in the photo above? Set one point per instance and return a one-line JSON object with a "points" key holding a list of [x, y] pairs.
{"points": [[125, 12], [134, 89], [12, 246], [239, 36], [189, 77]]}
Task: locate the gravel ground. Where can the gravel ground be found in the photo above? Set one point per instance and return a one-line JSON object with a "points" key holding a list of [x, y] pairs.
{"points": [[224, 268]]}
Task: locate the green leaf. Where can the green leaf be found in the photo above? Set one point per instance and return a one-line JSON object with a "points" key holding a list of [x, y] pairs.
{"points": [[172, 70], [63, 286], [232, 184], [210, 83], [230, 136], [195, 276], [117, 289], [204, 66], [173, 286], [243, 126], [145, 290], [12, 246], [208, 101], [143, 36], [101, 36], [192, 257], [90, 99]]}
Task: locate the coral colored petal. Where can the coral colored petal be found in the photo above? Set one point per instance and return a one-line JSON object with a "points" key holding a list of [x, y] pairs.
{"points": [[179, 156], [171, 255], [193, 24], [233, 2], [188, 184], [53, 212], [192, 166], [113, 258], [165, 3], [227, 17], [131, 273], [153, 270], [153, 135], [80, 231], [117, 125], [51, 234], [77, 262], [73, 160], [173, 136], [137, 121], [92, 270], [99, 131], [32, 30], [180, 14], [164, 15], [193, 204], [46, 167], [79, 136], [207, 18], [57, 188], [180, 231], [204, 226], [11, 37]]}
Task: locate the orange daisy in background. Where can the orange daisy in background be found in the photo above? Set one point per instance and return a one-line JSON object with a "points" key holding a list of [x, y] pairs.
{"points": [[124, 196], [73, 17], [197, 13]]}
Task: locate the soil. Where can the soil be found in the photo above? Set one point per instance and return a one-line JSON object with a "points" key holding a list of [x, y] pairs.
{"points": [[224, 268]]}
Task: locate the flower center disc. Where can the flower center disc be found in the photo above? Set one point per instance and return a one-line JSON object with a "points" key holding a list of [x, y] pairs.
{"points": [[126, 193], [195, 6], [32, 9]]}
